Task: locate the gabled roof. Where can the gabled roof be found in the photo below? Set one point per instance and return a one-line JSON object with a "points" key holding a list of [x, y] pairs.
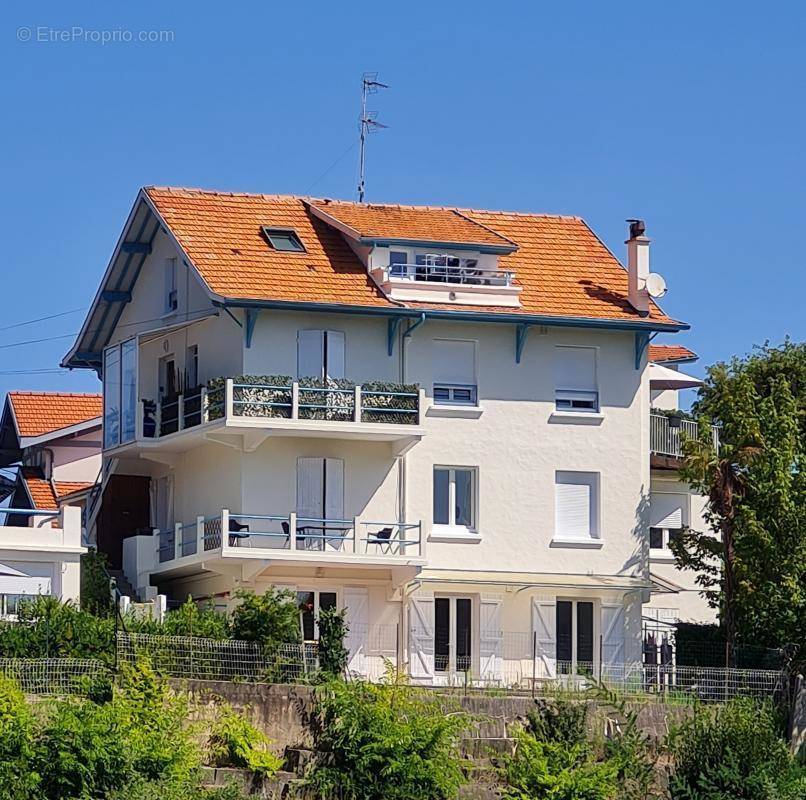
{"points": [[40, 413], [671, 353], [44, 494], [567, 274], [406, 223]]}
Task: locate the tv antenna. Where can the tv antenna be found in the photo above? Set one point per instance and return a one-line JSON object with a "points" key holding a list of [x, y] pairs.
{"points": [[368, 122]]}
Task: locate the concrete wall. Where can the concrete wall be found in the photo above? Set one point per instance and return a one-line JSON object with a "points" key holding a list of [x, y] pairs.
{"points": [[77, 458]]}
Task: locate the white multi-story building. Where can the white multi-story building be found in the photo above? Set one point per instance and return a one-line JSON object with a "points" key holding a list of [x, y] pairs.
{"points": [[436, 418]]}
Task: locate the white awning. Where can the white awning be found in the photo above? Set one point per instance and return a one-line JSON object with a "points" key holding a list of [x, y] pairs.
{"points": [[661, 377]]}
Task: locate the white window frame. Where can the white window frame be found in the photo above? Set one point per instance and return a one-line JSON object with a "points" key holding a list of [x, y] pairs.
{"points": [[594, 481], [171, 299], [451, 528], [595, 631], [191, 357], [575, 401], [317, 593], [664, 552], [452, 618]]}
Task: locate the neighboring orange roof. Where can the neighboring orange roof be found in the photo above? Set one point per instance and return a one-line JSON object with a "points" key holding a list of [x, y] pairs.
{"points": [[67, 488], [41, 490], [407, 223], [563, 268], [38, 413], [670, 352]]}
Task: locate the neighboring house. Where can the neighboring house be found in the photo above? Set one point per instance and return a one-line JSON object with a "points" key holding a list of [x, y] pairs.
{"points": [[54, 441], [673, 505], [437, 418]]}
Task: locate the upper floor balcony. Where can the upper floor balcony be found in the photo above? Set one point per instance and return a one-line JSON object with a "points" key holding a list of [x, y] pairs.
{"points": [[667, 434], [255, 407]]}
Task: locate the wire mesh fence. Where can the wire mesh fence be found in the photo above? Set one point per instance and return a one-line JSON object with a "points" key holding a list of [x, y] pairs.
{"points": [[213, 659], [57, 676]]}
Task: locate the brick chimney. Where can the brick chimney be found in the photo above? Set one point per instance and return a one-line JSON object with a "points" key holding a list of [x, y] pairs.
{"points": [[638, 266]]}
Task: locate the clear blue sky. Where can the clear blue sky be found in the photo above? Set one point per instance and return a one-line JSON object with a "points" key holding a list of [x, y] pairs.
{"points": [[690, 115]]}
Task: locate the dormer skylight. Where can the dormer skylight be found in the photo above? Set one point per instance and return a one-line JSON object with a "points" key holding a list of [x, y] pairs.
{"points": [[284, 239]]}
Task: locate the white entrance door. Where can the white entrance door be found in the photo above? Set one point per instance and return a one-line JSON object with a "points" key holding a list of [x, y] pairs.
{"points": [[320, 503]]}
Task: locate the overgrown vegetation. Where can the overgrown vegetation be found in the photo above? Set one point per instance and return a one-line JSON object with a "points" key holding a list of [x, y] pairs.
{"points": [[385, 741], [96, 597], [271, 618], [733, 752], [139, 744], [333, 654], [235, 742]]}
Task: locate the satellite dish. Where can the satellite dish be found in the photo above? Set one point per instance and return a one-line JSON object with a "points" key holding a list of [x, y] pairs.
{"points": [[655, 285]]}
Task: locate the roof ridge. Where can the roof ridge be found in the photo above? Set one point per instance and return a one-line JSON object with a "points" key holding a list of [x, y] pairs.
{"points": [[332, 201], [50, 393]]}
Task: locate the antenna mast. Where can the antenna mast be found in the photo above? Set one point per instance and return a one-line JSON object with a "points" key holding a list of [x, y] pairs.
{"points": [[368, 123]]}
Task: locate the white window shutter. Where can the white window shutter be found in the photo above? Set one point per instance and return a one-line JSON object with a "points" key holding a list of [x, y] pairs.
{"points": [[334, 497], [310, 354], [575, 368], [666, 510], [421, 638], [335, 354], [573, 503], [454, 361], [544, 627], [356, 601], [310, 477], [612, 636], [490, 637]]}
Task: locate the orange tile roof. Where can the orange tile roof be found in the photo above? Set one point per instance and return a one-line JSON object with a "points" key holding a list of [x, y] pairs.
{"points": [[40, 490], [407, 222], [38, 413], [67, 488], [670, 352], [564, 269]]}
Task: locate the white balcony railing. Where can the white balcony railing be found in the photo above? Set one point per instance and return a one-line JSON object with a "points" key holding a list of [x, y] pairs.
{"points": [[291, 400], [463, 275], [269, 535], [667, 440]]}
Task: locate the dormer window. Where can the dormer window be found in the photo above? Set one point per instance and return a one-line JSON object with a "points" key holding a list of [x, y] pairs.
{"points": [[284, 239], [444, 268]]}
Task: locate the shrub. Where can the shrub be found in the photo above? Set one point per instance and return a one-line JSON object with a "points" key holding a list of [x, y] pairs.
{"points": [[561, 721], [271, 618], [235, 742], [332, 652], [733, 752], [190, 619], [384, 742], [17, 780], [96, 597], [48, 628]]}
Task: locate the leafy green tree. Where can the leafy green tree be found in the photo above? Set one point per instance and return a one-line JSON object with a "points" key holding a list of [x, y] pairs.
{"points": [[333, 629], [751, 564], [190, 619], [271, 618], [96, 597]]}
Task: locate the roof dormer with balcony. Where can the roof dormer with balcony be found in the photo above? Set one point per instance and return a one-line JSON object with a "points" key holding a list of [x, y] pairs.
{"points": [[431, 255]]}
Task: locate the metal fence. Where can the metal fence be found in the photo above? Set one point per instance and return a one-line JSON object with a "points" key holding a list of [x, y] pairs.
{"points": [[58, 676]]}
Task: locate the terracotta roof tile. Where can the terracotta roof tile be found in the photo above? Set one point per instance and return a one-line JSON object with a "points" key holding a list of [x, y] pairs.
{"points": [[38, 413], [670, 352], [40, 490], [67, 488], [564, 269]]}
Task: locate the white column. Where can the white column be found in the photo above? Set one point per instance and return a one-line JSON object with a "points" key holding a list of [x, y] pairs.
{"points": [[180, 410], [228, 405], [177, 540], [292, 530], [295, 400], [357, 403], [224, 530]]}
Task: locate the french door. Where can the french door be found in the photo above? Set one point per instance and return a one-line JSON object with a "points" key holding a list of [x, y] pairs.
{"points": [[575, 651], [453, 634], [310, 603], [320, 503]]}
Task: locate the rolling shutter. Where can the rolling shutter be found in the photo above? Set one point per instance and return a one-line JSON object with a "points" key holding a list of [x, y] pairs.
{"points": [[575, 369], [454, 362], [666, 510], [574, 502]]}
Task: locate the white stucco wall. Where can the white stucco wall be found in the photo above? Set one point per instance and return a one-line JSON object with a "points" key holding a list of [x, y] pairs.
{"points": [[77, 458]]}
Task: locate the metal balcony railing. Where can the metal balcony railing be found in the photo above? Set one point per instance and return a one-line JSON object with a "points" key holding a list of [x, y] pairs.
{"points": [[666, 440], [463, 275]]}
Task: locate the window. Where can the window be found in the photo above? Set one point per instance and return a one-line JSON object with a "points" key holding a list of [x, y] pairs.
{"points": [[667, 514], [453, 637], [454, 497], [397, 263], [454, 372], [310, 603], [320, 354], [171, 298], [576, 506], [575, 379], [192, 367], [284, 239], [9, 604], [120, 393], [574, 637]]}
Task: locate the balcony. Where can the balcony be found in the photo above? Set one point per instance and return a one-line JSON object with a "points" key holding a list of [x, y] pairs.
{"points": [[211, 541], [666, 439], [257, 407]]}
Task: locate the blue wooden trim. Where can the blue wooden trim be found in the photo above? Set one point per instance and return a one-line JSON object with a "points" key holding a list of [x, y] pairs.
{"points": [[136, 247], [392, 325], [251, 319], [116, 297], [642, 340], [88, 356], [478, 247], [520, 340], [412, 326], [499, 318]]}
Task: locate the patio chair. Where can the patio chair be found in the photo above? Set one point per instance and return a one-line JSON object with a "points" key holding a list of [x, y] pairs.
{"points": [[383, 540], [236, 532]]}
